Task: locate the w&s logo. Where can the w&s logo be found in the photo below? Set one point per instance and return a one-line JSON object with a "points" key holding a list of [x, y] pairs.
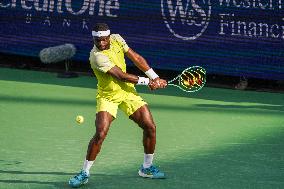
{"points": [[186, 19]]}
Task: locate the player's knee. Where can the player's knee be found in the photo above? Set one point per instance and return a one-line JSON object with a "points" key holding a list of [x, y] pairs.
{"points": [[150, 128], [99, 137]]}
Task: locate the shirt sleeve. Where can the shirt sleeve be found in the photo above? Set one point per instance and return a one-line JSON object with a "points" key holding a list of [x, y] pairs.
{"points": [[102, 63], [121, 42]]}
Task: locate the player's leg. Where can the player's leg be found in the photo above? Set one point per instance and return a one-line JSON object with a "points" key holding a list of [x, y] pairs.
{"points": [[143, 117], [106, 112], [103, 122]]}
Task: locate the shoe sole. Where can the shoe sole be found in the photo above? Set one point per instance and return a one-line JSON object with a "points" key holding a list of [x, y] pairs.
{"points": [[141, 174], [86, 181]]}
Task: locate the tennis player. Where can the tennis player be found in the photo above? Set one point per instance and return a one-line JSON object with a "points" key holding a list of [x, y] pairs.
{"points": [[116, 90]]}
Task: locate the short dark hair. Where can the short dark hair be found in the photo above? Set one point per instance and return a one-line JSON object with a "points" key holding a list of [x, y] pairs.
{"points": [[101, 27]]}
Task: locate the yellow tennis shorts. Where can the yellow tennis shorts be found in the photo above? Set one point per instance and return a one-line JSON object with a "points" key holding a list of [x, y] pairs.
{"points": [[128, 104]]}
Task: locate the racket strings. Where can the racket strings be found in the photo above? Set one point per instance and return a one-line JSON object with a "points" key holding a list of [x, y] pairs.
{"points": [[192, 79]]}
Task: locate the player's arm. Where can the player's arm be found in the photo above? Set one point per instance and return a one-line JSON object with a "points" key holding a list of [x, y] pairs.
{"points": [[102, 63], [117, 73], [138, 60], [142, 64]]}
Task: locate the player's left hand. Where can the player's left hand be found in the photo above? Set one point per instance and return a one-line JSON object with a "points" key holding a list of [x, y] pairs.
{"points": [[162, 83], [157, 84]]}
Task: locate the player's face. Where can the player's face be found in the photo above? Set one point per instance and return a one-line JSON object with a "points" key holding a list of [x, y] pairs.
{"points": [[102, 43]]}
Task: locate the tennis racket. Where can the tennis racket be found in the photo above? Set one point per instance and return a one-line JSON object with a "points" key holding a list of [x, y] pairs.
{"points": [[192, 79]]}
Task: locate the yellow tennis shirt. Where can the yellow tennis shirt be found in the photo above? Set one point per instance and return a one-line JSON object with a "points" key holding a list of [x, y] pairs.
{"points": [[102, 61]]}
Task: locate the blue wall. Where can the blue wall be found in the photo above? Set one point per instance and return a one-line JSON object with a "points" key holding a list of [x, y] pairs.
{"points": [[229, 37]]}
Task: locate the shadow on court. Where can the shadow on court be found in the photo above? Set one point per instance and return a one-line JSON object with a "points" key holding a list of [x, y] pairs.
{"points": [[34, 173], [224, 95], [244, 107], [47, 100], [248, 164], [27, 182], [240, 109]]}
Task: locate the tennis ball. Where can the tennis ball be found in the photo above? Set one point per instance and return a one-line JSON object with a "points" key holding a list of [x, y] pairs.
{"points": [[79, 119]]}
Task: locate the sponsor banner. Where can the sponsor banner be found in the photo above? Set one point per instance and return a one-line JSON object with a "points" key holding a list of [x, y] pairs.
{"points": [[229, 37]]}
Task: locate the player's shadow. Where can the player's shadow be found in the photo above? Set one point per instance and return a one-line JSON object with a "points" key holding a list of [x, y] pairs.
{"points": [[36, 175], [58, 184]]}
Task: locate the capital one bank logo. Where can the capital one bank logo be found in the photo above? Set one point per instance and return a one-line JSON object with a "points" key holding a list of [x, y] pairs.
{"points": [[186, 19]]}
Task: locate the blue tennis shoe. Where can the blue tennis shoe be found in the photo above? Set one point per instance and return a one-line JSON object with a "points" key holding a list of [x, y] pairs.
{"points": [[151, 172], [79, 180]]}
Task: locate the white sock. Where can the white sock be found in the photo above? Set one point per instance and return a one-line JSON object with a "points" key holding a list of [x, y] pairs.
{"points": [[148, 159], [87, 166]]}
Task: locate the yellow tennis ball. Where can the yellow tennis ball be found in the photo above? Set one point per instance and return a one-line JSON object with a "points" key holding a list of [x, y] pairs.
{"points": [[79, 119]]}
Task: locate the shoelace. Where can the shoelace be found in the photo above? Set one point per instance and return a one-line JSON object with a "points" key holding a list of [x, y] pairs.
{"points": [[153, 169], [80, 176]]}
